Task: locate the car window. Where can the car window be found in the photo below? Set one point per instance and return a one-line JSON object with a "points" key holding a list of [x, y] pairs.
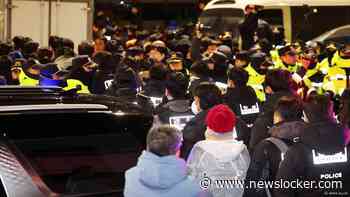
{"points": [[273, 16], [220, 20], [78, 153]]}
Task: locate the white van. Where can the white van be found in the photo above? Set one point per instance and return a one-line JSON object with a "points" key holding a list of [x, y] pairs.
{"points": [[322, 15]]}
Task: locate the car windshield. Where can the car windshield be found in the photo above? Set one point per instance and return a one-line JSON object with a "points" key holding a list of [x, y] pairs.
{"points": [[221, 20], [77, 153]]}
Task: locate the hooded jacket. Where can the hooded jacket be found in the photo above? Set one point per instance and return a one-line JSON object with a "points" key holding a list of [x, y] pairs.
{"points": [[194, 132], [219, 160], [326, 138], [159, 177], [267, 154]]}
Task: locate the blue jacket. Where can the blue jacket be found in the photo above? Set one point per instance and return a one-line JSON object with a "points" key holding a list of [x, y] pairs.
{"points": [[155, 176]]}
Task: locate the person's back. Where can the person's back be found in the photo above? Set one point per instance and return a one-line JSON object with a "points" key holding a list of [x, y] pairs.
{"points": [[278, 84], [206, 96], [321, 156], [269, 153], [176, 109], [220, 156], [241, 98], [159, 172]]}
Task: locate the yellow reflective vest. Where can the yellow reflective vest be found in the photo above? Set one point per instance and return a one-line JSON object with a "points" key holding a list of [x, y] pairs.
{"points": [[73, 83], [335, 80], [256, 81], [25, 80], [339, 61], [279, 65]]}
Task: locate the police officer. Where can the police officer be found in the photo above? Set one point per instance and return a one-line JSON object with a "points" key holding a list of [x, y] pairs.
{"points": [[82, 72], [288, 59], [158, 52], [218, 66], [29, 75], [278, 83], [176, 109], [310, 71], [337, 79], [240, 97], [199, 73], [257, 70], [320, 156], [176, 63], [154, 88], [105, 73]]}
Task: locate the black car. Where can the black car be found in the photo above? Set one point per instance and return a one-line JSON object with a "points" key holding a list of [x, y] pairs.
{"points": [[57, 143]]}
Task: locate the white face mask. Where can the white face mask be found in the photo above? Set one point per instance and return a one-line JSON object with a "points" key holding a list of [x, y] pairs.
{"points": [[194, 109]]}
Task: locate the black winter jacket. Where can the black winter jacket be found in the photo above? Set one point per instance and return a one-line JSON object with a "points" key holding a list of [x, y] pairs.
{"points": [[326, 138], [268, 155], [265, 119]]}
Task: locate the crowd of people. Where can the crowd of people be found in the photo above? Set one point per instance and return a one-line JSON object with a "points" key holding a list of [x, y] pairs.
{"points": [[274, 111]]}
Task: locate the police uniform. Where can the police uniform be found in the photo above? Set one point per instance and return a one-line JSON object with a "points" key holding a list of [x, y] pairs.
{"points": [[336, 78], [175, 113], [26, 78], [256, 81], [279, 64]]}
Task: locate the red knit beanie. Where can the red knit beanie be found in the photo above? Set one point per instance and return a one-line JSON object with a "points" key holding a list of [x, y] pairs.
{"points": [[221, 119]]}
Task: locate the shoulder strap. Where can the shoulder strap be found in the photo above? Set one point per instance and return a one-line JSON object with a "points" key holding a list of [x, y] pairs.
{"points": [[282, 147], [279, 144]]}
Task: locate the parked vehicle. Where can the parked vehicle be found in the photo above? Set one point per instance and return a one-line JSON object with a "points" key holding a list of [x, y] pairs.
{"points": [[55, 143], [39, 19], [295, 16]]}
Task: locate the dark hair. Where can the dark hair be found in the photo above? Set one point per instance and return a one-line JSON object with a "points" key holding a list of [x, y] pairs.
{"points": [[5, 48], [319, 108], [290, 108], [279, 80], [177, 84], [200, 69], [164, 140], [18, 42], [238, 76], [86, 48], [105, 61], [44, 55], [209, 95], [158, 72], [68, 43], [30, 49]]}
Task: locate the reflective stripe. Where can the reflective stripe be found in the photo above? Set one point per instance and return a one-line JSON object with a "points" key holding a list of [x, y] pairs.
{"points": [[340, 157], [246, 110], [108, 83], [337, 77], [180, 122], [222, 86], [156, 101], [316, 85]]}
